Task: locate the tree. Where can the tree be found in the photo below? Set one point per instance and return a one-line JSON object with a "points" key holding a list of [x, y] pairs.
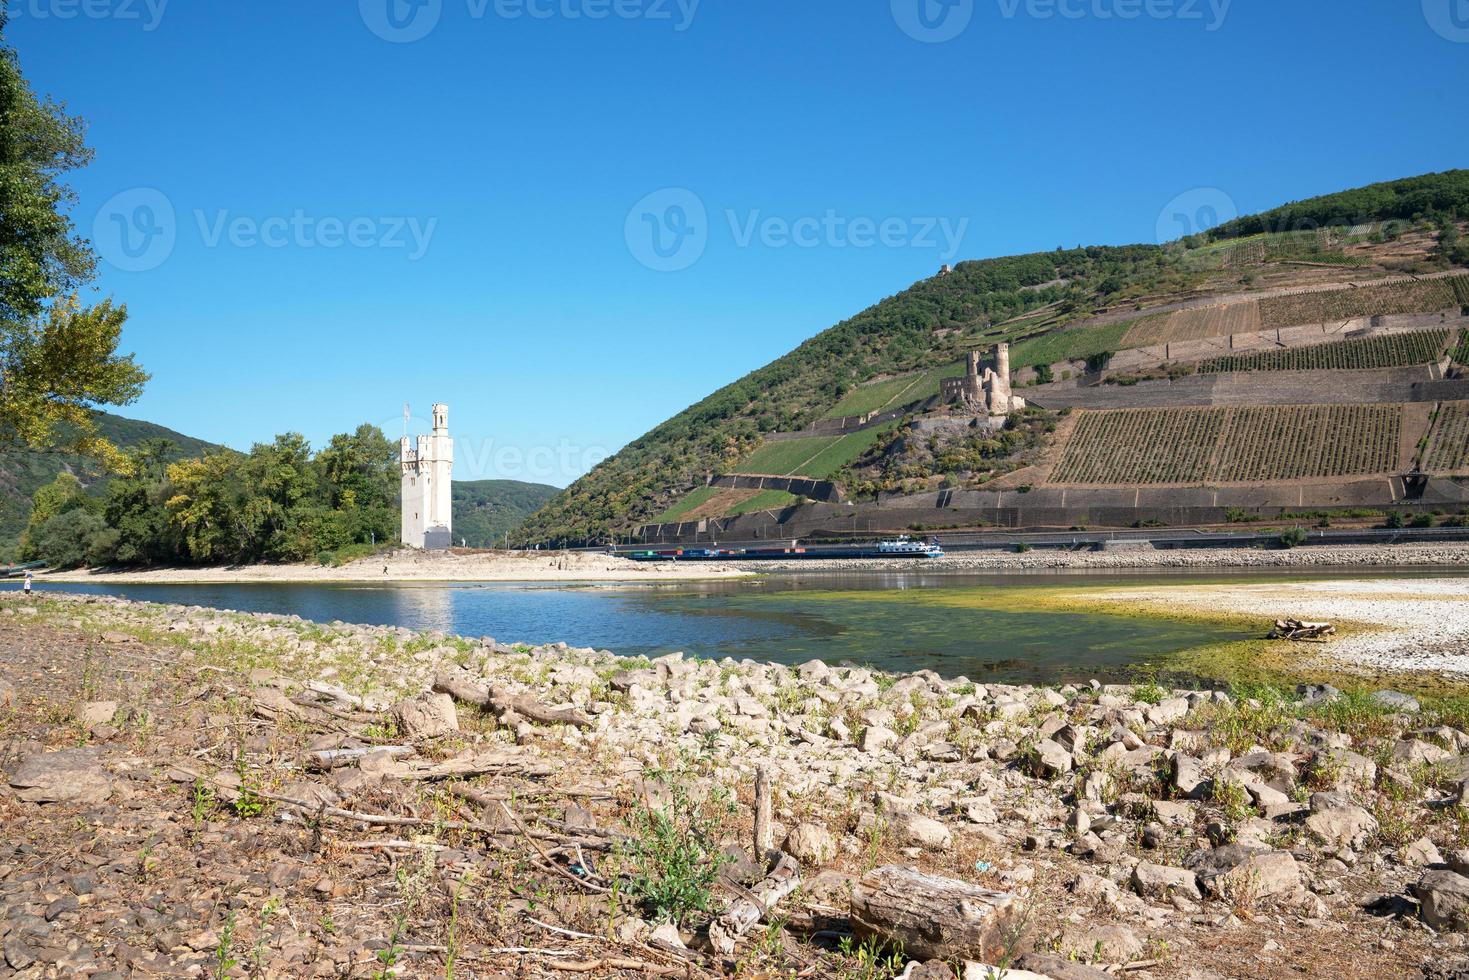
{"points": [[61, 494], [57, 357]]}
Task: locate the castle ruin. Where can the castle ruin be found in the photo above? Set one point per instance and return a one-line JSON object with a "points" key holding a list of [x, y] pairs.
{"points": [[428, 502], [985, 385]]}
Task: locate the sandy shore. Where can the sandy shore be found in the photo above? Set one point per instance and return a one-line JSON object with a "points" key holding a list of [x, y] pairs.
{"points": [[510, 566], [1420, 624]]}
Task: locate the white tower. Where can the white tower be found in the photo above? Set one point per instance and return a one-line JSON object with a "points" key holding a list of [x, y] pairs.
{"points": [[428, 500]]}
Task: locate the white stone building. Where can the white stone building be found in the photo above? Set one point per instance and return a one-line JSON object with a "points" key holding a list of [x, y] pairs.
{"points": [[428, 499]]}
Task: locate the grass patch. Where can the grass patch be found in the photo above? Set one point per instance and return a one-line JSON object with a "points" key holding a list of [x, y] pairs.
{"points": [[1069, 345], [694, 500], [782, 458], [764, 500]]}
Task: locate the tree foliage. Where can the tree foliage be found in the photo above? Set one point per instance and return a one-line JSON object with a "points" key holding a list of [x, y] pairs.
{"points": [[278, 502], [57, 357]]}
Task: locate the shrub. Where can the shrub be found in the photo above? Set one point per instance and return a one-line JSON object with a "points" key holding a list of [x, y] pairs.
{"points": [[1292, 537], [674, 857]]}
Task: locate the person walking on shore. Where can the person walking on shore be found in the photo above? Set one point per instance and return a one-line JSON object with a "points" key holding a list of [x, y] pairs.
{"points": [[27, 588]]}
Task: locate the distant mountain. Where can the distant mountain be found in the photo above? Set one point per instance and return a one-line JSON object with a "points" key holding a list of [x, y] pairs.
{"points": [[22, 473], [486, 510], [1064, 313]]}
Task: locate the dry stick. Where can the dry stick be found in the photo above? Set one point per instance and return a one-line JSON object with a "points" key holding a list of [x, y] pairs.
{"points": [[741, 916], [554, 866], [614, 963], [763, 842], [463, 687]]}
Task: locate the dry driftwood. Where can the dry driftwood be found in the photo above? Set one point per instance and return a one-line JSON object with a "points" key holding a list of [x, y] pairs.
{"points": [[763, 839], [742, 915], [463, 687], [1295, 629], [932, 917], [337, 758]]}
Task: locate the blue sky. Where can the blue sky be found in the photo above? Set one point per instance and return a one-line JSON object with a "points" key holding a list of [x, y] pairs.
{"points": [[570, 219]]}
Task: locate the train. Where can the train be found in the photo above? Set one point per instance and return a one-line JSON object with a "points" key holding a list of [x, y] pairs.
{"points": [[902, 547]]}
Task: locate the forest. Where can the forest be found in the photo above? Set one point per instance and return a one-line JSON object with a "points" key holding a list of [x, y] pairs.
{"points": [[278, 502]]}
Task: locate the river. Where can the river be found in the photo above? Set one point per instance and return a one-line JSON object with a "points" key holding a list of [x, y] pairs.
{"points": [[977, 626]]}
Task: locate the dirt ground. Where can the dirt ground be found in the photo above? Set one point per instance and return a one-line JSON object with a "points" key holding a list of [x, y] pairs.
{"points": [[214, 846]]}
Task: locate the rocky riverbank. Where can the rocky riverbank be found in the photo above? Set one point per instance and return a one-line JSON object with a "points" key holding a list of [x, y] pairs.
{"points": [[1314, 556], [194, 792]]}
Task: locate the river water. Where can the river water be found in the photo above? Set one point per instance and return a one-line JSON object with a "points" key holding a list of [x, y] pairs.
{"points": [[972, 625]]}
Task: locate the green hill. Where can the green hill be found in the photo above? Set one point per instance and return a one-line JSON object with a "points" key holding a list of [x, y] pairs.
{"points": [[1070, 304], [486, 510], [22, 473]]}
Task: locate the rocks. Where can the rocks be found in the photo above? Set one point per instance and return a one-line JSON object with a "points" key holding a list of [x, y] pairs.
{"points": [[1109, 943], [1413, 751], [1396, 700], [429, 715], [1443, 898], [67, 776], [1160, 881], [1167, 712], [1188, 775], [875, 738], [95, 713], [1050, 759], [1171, 813], [1420, 854], [811, 844], [1336, 823], [1262, 875]]}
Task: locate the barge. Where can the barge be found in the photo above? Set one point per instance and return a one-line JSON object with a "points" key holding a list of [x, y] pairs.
{"points": [[895, 548]]}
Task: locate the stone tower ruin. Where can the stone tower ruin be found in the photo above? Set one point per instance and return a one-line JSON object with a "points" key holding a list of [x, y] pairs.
{"points": [[428, 501], [985, 385]]}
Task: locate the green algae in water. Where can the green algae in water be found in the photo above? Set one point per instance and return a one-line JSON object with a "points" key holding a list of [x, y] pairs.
{"points": [[979, 634]]}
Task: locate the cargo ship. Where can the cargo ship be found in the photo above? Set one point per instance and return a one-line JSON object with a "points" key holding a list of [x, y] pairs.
{"points": [[902, 547]]}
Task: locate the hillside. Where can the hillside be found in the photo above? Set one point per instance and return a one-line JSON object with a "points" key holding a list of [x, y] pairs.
{"points": [[21, 473], [486, 510], [1067, 315]]}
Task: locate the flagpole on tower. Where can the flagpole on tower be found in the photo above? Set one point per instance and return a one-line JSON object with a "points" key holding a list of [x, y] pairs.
{"points": [[406, 418]]}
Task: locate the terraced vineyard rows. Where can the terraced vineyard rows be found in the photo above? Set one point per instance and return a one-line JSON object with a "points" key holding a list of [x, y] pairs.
{"points": [[1461, 289], [1130, 447], [1141, 446], [1199, 323], [1448, 452], [1391, 350], [1303, 441], [1420, 296]]}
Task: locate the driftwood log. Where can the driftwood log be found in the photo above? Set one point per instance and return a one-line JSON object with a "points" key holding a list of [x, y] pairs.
{"points": [[463, 687], [764, 837], [933, 917], [741, 916], [1295, 629]]}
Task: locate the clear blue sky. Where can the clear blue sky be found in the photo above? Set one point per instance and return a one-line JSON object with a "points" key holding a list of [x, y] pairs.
{"points": [[440, 200]]}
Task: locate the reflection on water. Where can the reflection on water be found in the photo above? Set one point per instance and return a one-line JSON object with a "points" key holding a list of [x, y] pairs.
{"points": [[863, 618]]}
